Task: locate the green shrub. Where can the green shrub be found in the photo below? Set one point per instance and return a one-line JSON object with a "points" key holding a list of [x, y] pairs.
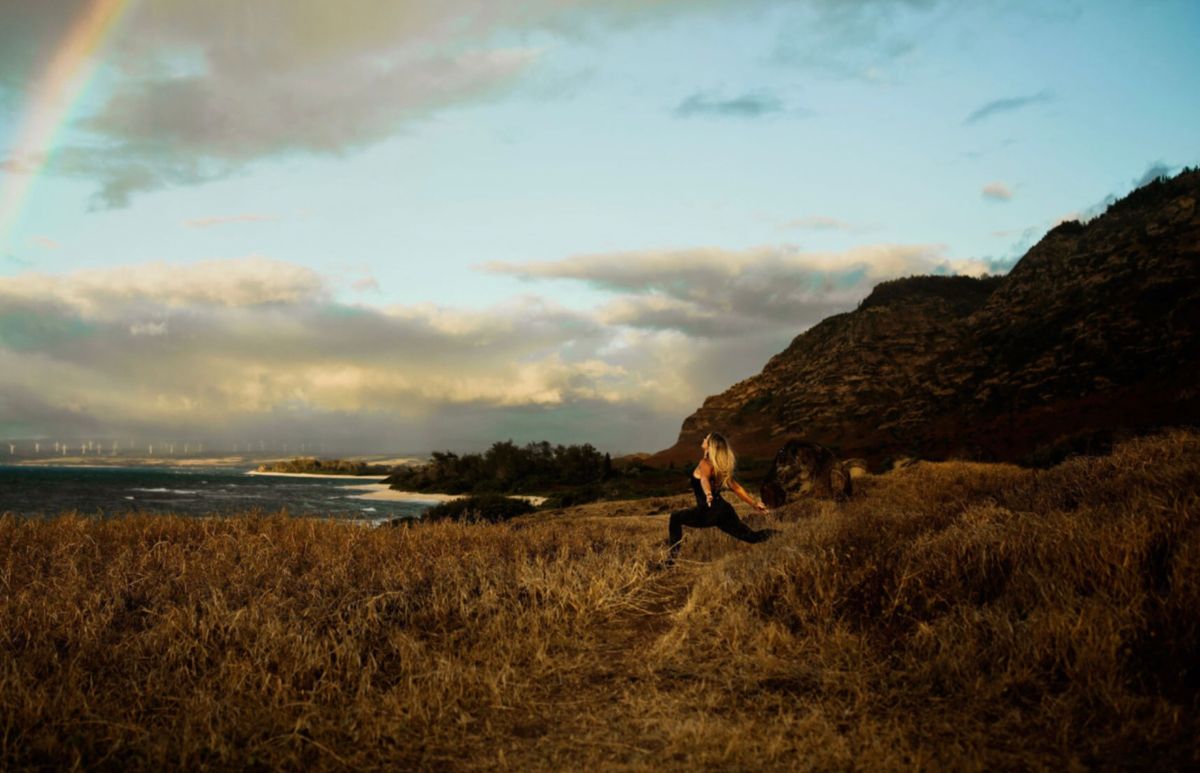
{"points": [[491, 508], [576, 496]]}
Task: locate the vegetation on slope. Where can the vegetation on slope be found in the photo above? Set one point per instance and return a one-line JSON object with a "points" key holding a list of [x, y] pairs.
{"points": [[567, 475], [950, 615], [314, 466], [964, 293], [487, 508]]}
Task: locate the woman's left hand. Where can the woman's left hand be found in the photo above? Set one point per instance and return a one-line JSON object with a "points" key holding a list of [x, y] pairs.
{"points": [[760, 507]]}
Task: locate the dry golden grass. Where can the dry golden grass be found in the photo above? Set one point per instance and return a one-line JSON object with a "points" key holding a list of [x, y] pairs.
{"points": [[951, 615]]}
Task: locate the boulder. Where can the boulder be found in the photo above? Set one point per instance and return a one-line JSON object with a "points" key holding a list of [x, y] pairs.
{"points": [[804, 469]]}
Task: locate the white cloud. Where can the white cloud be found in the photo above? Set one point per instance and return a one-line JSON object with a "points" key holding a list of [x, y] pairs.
{"points": [[226, 348], [997, 191], [98, 293], [201, 348], [203, 90], [712, 292]]}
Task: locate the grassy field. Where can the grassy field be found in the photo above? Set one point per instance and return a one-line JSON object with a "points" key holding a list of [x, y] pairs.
{"points": [[954, 615]]}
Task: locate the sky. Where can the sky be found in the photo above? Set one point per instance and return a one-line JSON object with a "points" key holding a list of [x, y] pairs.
{"points": [[377, 226]]}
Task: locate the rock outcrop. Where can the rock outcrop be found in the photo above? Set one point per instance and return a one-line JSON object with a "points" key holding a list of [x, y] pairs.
{"points": [[802, 469], [1094, 333]]}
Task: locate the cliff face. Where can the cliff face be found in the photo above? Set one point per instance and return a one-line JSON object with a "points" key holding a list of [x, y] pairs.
{"points": [[1096, 330]]}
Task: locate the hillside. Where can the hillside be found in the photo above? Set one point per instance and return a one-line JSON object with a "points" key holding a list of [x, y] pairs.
{"points": [[952, 615], [1094, 334]]}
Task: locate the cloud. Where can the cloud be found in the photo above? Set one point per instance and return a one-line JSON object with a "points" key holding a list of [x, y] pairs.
{"points": [[261, 346], [252, 281], [1154, 170], [996, 191], [31, 33], [749, 105], [237, 115], [15, 165], [199, 95], [849, 38], [148, 329], [694, 321], [214, 220], [122, 169], [366, 284], [715, 293], [1006, 105], [822, 223], [233, 350]]}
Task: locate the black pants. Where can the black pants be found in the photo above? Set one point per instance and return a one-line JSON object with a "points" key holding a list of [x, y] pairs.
{"points": [[720, 514]]}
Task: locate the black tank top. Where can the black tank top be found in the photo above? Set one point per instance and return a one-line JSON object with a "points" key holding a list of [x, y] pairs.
{"points": [[698, 490]]}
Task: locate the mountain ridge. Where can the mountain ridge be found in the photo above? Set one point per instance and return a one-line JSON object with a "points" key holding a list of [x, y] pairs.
{"points": [[1093, 334]]}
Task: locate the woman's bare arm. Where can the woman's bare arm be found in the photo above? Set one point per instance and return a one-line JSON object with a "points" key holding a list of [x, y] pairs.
{"points": [[745, 497]]}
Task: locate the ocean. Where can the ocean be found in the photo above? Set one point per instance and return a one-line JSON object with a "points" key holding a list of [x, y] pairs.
{"points": [[193, 491]]}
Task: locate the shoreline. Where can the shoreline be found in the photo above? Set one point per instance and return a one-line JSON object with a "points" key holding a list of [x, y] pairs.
{"points": [[317, 475], [380, 492], [116, 461]]}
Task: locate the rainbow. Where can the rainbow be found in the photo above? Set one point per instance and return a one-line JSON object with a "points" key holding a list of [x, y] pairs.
{"points": [[50, 102]]}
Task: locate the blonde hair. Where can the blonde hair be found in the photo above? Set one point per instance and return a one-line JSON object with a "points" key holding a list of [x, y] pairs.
{"points": [[720, 455]]}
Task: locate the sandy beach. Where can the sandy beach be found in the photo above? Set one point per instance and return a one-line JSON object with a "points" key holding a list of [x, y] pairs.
{"points": [[316, 475], [380, 492]]}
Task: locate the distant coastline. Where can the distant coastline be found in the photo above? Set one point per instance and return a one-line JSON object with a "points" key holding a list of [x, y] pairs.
{"points": [[316, 475], [381, 492], [132, 461]]}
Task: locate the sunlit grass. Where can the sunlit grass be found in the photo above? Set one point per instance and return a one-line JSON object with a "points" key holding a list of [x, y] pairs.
{"points": [[953, 614]]}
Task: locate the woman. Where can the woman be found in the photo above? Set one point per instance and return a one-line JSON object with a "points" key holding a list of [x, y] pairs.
{"points": [[714, 472]]}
